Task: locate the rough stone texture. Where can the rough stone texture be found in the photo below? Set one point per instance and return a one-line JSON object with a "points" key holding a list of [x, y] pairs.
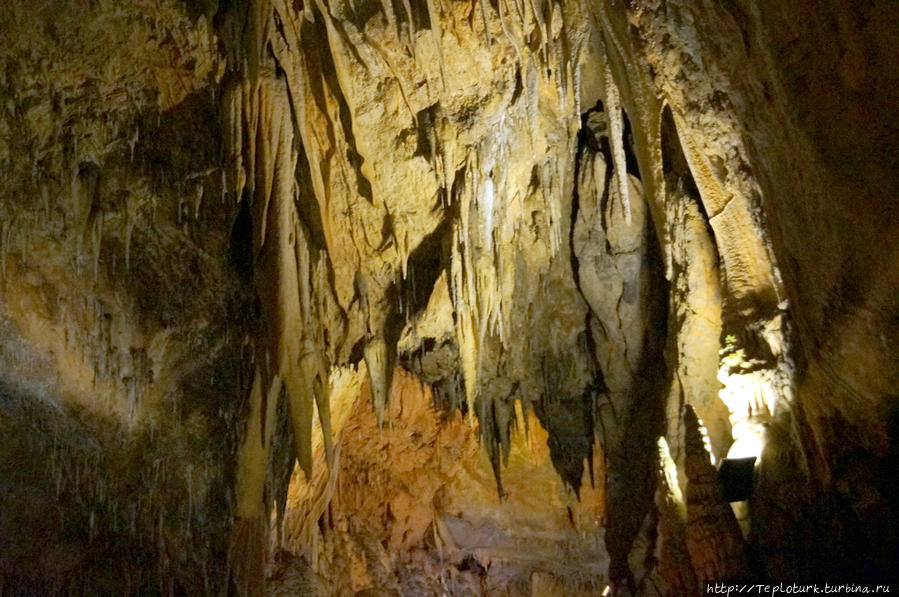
{"points": [[712, 536], [583, 217], [413, 509]]}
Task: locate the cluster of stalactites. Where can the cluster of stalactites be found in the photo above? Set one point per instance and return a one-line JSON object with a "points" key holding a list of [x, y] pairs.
{"points": [[485, 262], [261, 162], [481, 272], [263, 135]]}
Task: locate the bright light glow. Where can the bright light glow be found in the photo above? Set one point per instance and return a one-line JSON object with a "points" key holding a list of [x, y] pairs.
{"points": [[606, 590], [750, 397], [747, 440], [706, 442]]}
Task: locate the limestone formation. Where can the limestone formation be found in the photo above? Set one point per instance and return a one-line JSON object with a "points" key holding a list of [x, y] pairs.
{"points": [[445, 296]]}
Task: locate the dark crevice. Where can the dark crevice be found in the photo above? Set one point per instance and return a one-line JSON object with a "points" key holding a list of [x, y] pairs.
{"points": [[570, 426], [240, 249], [363, 11], [353, 157], [519, 87], [399, 12], [421, 19], [424, 266], [307, 204], [630, 155], [424, 121]]}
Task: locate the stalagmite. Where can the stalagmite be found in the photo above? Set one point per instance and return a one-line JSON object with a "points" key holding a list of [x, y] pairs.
{"points": [[675, 568], [247, 540], [713, 537]]}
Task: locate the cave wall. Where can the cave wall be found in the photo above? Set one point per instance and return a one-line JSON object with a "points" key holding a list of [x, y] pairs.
{"points": [[601, 217], [787, 84]]}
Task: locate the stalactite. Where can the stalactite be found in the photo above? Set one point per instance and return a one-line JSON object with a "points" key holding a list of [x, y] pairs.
{"points": [[559, 73], [486, 20], [616, 138], [387, 9], [522, 13], [508, 34], [532, 97], [407, 7], [465, 318], [645, 110], [437, 31], [537, 7], [577, 88], [380, 371], [293, 110]]}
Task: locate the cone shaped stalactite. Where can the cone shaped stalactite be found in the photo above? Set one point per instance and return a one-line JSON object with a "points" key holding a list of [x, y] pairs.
{"points": [[379, 361], [262, 155]]}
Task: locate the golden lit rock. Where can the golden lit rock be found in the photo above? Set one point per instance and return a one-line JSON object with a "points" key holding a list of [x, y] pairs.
{"points": [[444, 297]]}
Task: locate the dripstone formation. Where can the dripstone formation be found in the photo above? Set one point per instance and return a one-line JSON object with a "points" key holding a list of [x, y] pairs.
{"points": [[463, 297]]}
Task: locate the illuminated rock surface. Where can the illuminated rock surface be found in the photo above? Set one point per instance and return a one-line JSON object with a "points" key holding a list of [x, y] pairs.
{"points": [[432, 296]]}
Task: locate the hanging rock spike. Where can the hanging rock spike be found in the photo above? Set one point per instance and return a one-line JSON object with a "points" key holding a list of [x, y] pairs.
{"points": [[616, 137]]}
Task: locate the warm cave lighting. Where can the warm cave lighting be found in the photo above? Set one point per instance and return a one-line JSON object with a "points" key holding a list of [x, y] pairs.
{"points": [[606, 591], [670, 470], [736, 471], [747, 440], [704, 432], [749, 397]]}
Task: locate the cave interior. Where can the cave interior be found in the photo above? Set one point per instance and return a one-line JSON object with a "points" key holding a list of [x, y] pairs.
{"points": [[447, 297]]}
